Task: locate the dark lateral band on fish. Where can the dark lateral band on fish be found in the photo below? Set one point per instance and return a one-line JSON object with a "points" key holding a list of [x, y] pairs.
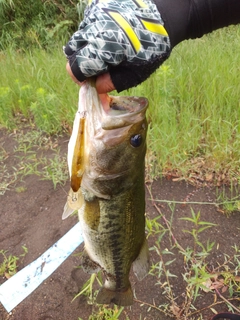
{"points": [[106, 160]]}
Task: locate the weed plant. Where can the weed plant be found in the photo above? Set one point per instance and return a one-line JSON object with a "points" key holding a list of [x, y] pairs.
{"points": [[200, 276], [10, 263], [104, 313], [30, 161]]}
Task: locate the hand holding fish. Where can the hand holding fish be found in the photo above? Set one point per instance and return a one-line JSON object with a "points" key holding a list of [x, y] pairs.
{"points": [[125, 39], [124, 42], [103, 82]]}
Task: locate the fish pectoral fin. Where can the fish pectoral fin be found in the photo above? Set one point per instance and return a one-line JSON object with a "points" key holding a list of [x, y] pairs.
{"points": [[120, 298], [141, 264], [75, 199], [74, 203], [88, 265], [67, 211]]}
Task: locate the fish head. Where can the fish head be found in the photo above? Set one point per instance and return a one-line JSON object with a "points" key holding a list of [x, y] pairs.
{"points": [[115, 146]]}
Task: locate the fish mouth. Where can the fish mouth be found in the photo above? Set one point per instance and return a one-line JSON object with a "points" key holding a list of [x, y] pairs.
{"points": [[124, 104], [110, 112], [124, 111]]}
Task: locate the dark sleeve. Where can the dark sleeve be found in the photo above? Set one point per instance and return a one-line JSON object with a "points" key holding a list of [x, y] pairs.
{"points": [[191, 19]]}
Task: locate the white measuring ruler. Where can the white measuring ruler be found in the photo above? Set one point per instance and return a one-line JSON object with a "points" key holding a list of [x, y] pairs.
{"points": [[24, 282]]}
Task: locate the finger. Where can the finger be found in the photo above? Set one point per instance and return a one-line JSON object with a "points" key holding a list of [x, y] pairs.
{"points": [[104, 83], [105, 101]]}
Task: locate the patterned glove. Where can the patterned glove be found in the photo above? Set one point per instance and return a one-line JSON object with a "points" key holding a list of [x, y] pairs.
{"points": [[124, 37]]}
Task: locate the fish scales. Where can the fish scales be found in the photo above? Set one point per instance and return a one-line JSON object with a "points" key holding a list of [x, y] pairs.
{"points": [[109, 246], [111, 197]]}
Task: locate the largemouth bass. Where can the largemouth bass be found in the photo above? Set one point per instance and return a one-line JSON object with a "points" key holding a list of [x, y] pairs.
{"points": [[106, 163]]}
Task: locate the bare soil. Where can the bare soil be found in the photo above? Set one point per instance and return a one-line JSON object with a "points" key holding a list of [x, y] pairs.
{"points": [[32, 218]]}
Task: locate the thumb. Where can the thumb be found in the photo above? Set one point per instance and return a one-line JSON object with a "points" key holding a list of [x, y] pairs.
{"points": [[104, 83]]}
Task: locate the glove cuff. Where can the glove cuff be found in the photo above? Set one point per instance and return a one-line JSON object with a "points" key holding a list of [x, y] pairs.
{"points": [[72, 59], [75, 68], [127, 75]]}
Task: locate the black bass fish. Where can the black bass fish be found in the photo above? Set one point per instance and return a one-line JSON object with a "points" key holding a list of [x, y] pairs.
{"points": [[106, 160]]}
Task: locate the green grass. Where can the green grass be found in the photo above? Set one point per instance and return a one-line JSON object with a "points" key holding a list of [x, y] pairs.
{"points": [[9, 263], [194, 103], [36, 85]]}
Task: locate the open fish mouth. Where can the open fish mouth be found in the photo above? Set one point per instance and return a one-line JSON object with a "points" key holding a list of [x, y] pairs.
{"points": [[127, 104], [109, 112], [124, 111]]}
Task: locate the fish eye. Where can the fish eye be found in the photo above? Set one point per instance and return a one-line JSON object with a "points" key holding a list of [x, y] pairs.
{"points": [[136, 140]]}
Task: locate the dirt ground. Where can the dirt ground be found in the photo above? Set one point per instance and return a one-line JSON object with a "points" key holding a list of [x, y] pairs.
{"points": [[32, 218]]}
